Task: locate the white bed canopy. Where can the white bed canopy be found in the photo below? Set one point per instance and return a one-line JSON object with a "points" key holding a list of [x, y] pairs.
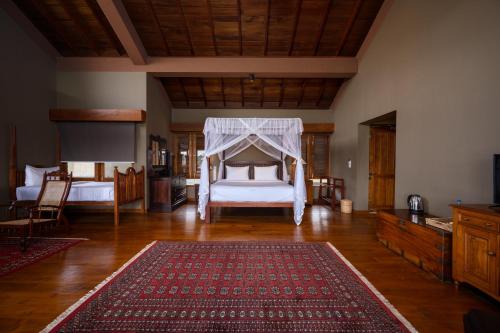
{"points": [[277, 137]]}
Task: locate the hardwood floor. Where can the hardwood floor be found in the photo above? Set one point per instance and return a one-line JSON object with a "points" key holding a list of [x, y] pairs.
{"points": [[35, 295]]}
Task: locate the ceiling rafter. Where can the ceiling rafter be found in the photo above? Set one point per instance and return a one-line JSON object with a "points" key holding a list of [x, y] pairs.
{"points": [[202, 87], [295, 26], [186, 99], [268, 18], [212, 25], [157, 25], [262, 87], [188, 31], [302, 92], [80, 25], [320, 97], [349, 26], [323, 25], [122, 25], [110, 33], [223, 92], [242, 87], [51, 21], [239, 27], [282, 92]]}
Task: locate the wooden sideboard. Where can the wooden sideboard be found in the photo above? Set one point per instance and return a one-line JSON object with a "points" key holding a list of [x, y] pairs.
{"points": [[424, 245], [166, 193], [476, 247]]}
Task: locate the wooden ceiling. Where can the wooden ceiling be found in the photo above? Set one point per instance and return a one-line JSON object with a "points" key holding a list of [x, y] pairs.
{"points": [[209, 27], [243, 93], [74, 28], [170, 28], [252, 27]]}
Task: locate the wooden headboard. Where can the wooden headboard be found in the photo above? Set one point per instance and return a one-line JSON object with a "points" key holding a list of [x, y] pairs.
{"points": [[253, 164]]}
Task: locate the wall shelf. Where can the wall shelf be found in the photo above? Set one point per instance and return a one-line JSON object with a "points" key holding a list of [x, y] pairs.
{"points": [[98, 115]]}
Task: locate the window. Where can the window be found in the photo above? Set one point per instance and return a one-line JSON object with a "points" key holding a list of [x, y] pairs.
{"points": [[200, 152], [109, 168], [82, 169]]}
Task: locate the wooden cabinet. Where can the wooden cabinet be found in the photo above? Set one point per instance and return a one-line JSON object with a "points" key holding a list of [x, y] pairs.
{"points": [[476, 244], [424, 245], [166, 193]]}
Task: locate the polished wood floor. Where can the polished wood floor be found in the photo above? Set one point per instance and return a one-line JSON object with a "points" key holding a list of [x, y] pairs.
{"points": [[35, 295]]}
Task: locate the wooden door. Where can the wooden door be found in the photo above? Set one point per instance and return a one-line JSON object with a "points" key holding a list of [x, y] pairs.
{"points": [[382, 168], [480, 258]]}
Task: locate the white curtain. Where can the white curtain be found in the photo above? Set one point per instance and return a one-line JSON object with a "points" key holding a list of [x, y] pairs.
{"points": [[271, 135]]}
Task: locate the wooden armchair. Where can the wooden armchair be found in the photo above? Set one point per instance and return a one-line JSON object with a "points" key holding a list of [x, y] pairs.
{"points": [[328, 189], [47, 211]]}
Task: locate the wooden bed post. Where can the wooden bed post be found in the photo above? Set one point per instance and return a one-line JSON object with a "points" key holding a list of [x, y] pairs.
{"points": [[116, 203], [207, 208], [12, 163]]}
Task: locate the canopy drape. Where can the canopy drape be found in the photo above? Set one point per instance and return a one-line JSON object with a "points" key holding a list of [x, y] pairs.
{"points": [[277, 137]]}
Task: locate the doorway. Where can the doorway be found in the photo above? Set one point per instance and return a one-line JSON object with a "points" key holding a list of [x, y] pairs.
{"points": [[382, 162]]}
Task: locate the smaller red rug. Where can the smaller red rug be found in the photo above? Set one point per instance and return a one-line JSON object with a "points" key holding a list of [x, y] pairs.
{"points": [[13, 259]]}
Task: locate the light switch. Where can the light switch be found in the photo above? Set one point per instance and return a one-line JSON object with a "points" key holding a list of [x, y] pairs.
{"points": [[349, 163]]}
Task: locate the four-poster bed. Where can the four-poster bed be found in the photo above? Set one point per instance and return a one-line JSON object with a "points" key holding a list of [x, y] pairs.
{"points": [[125, 188], [276, 137]]}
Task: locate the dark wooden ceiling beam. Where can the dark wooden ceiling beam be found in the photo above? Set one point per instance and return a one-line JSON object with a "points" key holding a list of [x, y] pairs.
{"points": [[157, 25], [242, 87], [186, 25], [323, 87], [262, 87], [323, 25], [81, 26], [282, 93], [122, 25], [202, 88], [268, 18], [96, 11], [212, 25], [186, 99], [222, 86], [349, 26], [239, 27], [50, 19], [295, 26], [302, 93]]}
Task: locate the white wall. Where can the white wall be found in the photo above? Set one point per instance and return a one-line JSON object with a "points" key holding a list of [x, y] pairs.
{"points": [[27, 82], [436, 63]]}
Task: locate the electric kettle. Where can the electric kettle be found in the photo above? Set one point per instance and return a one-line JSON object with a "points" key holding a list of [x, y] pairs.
{"points": [[415, 204]]}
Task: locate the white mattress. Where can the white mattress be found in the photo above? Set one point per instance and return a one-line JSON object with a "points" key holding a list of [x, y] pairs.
{"points": [[80, 191], [251, 191]]}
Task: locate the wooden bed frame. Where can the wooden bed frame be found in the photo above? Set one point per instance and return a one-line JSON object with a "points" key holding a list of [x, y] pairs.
{"points": [[241, 204], [128, 186]]}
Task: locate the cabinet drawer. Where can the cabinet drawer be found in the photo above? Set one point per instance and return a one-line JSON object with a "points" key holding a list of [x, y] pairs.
{"points": [[472, 220]]}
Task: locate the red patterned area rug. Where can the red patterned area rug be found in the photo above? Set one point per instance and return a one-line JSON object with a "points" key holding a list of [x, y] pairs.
{"points": [[234, 287], [13, 259]]}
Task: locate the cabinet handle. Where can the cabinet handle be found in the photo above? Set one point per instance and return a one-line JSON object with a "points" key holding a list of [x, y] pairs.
{"points": [[491, 253]]}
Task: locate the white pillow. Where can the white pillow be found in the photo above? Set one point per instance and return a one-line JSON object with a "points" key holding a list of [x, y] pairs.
{"points": [[237, 173], [266, 173], [34, 176]]}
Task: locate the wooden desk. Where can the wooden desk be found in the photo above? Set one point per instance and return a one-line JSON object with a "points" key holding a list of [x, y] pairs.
{"points": [[424, 245]]}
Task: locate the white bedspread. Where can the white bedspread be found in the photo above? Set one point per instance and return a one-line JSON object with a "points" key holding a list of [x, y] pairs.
{"points": [[251, 191], [80, 191]]}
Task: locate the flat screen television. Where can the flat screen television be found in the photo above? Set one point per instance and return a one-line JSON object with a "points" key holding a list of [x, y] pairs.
{"points": [[496, 179]]}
